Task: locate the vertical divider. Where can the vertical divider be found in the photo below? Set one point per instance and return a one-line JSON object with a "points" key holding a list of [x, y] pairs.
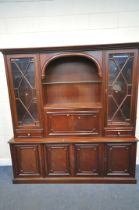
{"points": [[72, 159]]}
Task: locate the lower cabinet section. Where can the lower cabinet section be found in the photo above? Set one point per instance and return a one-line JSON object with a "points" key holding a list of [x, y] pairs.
{"points": [[74, 162]]}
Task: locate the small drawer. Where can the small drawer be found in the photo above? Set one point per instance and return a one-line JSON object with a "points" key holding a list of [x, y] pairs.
{"points": [[118, 132], [28, 133]]}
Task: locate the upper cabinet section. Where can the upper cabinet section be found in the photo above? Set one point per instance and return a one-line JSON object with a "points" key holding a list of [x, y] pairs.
{"points": [[81, 90], [122, 76], [24, 89]]}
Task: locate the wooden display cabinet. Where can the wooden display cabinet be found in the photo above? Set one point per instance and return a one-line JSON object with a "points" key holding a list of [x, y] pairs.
{"points": [[74, 113]]}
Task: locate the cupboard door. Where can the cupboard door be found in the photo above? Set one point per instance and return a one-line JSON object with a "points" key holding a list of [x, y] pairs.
{"points": [[87, 159], [59, 123], [122, 76], [120, 159], [27, 160], [57, 160], [86, 123], [23, 75]]}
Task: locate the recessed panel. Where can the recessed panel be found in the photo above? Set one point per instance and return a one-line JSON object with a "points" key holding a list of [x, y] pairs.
{"points": [[28, 160], [87, 159], [57, 160], [119, 159]]}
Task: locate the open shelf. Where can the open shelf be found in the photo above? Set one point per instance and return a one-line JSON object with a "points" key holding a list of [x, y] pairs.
{"points": [[72, 105], [72, 82]]}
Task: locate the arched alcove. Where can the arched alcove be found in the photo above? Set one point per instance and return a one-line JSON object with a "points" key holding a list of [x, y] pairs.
{"points": [[71, 79]]}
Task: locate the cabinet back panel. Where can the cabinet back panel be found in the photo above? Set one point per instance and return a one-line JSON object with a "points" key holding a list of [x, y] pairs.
{"points": [[72, 93]]}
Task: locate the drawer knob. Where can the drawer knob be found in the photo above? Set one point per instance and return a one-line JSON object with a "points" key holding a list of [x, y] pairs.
{"points": [[68, 115], [26, 94], [79, 118], [29, 134], [119, 132]]}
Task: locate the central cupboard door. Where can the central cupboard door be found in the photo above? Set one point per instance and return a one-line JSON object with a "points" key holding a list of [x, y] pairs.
{"points": [[57, 159], [87, 159], [73, 159]]}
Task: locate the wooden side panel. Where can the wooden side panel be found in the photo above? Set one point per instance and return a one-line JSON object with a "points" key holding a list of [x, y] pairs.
{"points": [[26, 160], [87, 159], [57, 159], [120, 159]]}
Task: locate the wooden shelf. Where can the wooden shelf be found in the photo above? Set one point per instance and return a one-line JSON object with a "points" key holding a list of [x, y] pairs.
{"points": [[73, 105], [73, 140], [72, 82]]}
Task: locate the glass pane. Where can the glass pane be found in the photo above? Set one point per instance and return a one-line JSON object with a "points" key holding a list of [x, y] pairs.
{"points": [[23, 72], [112, 107], [120, 87], [127, 71], [114, 70]]}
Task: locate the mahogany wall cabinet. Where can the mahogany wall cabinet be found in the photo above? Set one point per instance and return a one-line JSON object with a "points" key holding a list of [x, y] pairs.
{"points": [[74, 113]]}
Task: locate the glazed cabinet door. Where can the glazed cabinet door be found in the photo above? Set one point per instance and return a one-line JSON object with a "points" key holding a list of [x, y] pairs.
{"points": [[120, 159], [24, 94], [26, 160], [121, 91], [57, 159]]}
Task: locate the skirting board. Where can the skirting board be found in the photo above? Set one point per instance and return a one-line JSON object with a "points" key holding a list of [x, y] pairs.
{"points": [[8, 162], [5, 162]]}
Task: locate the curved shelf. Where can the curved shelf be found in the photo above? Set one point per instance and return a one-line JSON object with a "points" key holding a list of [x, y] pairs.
{"points": [[71, 55]]}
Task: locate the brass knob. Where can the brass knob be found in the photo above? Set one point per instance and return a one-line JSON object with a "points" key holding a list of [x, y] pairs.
{"points": [[29, 134], [119, 132], [68, 115], [79, 117]]}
